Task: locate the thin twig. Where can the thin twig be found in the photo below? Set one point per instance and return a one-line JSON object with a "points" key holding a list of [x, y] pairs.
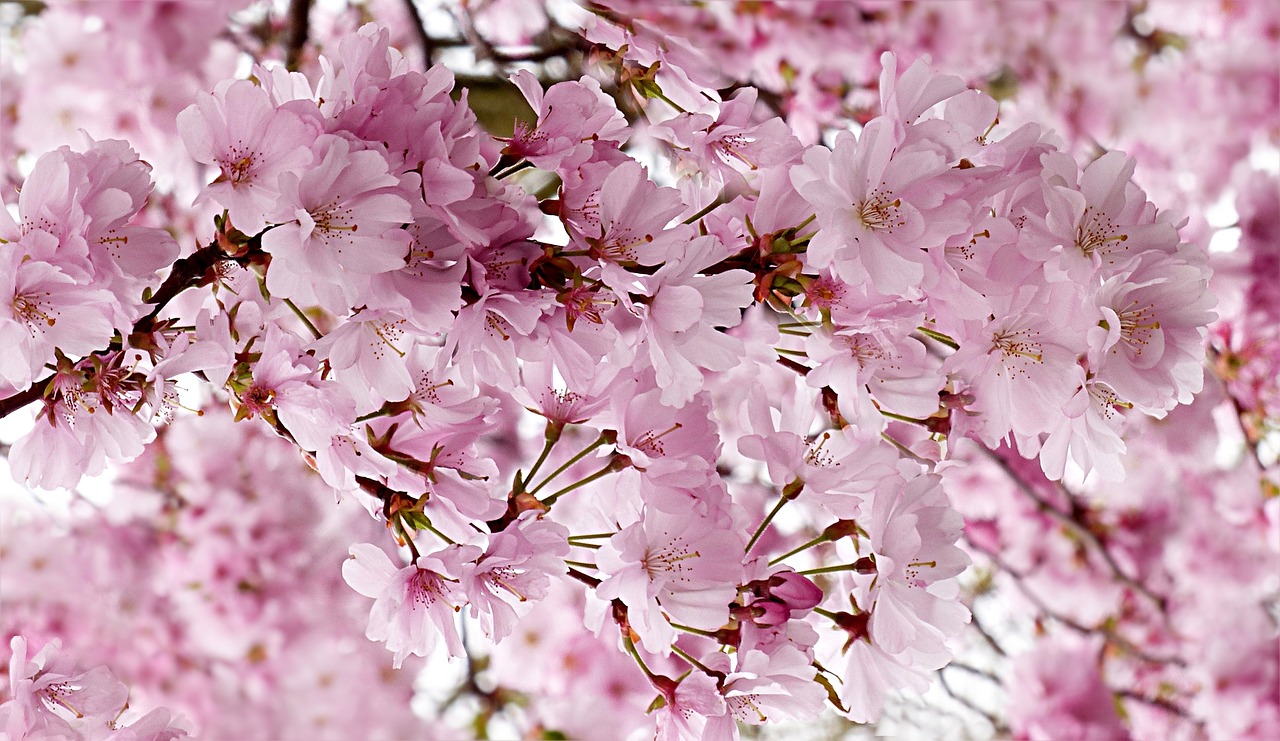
{"points": [[1108, 633], [1079, 528], [995, 722]]}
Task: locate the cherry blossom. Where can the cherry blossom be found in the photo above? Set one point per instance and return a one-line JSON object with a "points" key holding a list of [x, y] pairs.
{"points": [[413, 606]]}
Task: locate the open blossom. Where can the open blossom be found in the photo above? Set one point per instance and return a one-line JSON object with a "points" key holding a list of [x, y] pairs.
{"points": [[731, 143], [1022, 361], [1148, 344], [341, 217], [514, 571], [878, 208], [622, 216], [870, 371], [42, 308], [684, 310], [688, 705], [572, 117], [904, 99], [252, 142], [1098, 224], [681, 566], [368, 354], [413, 606], [762, 687], [913, 533], [839, 470], [77, 432], [50, 698], [1088, 434]]}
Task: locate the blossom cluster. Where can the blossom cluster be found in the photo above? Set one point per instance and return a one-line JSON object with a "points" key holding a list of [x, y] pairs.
{"points": [[654, 384], [196, 591]]}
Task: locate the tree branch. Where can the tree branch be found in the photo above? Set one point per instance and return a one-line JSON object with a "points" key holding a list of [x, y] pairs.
{"points": [[427, 43], [1073, 521], [299, 27], [188, 272]]}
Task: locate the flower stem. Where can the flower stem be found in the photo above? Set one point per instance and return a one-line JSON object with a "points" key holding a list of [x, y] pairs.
{"points": [[765, 523], [517, 167], [901, 418], [592, 536], [828, 569], [827, 614], [597, 443], [552, 439], [439, 534], [710, 207], [663, 97], [695, 631], [692, 661], [294, 307], [631, 649], [606, 470], [940, 337], [816, 541]]}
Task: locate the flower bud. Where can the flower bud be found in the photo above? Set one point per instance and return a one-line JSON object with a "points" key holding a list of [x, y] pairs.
{"points": [[795, 590]]}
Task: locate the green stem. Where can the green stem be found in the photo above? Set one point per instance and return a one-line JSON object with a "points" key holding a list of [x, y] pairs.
{"points": [[569, 463], [631, 649], [692, 661], [581, 564], [695, 631], [710, 207], [901, 418], [314, 332], [546, 449], [517, 167], [827, 614], [828, 569], [765, 523], [373, 415], [663, 97], [608, 469], [816, 541], [592, 536], [439, 534], [940, 337]]}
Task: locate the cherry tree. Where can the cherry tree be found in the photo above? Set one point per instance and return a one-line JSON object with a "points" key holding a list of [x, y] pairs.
{"points": [[399, 369]]}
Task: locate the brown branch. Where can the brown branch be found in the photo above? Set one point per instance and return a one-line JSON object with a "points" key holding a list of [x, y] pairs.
{"points": [[1073, 521], [1107, 633], [188, 272], [427, 43], [996, 724], [297, 32], [22, 398], [990, 640], [1165, 704]]}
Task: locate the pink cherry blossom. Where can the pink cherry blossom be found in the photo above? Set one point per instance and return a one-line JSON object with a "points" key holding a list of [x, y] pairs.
{"points": [[413, 606], [573, 118], [667, 565], [253, 143]]}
